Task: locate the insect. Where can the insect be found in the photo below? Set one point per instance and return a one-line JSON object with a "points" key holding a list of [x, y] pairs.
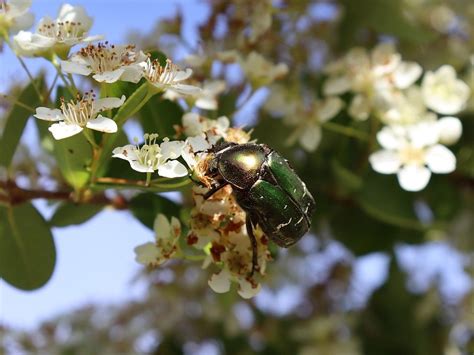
{"points": [[266, 188]]}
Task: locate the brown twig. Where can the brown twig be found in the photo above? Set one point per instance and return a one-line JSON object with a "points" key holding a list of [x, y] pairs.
{"points": [[12, 194]]}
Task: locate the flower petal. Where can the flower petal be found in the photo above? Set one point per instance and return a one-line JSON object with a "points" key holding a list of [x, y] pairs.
{"points": [[247, 290], [310, 137], [109, 76], [220, 282], [148, 254], [183, 74], [102, 124], [406, 74], [385, 161], [62, 130], [186, 89], [198, 144], [391, 138], [172, 169], [108, 103], [74, 67], [162, 227], [47, 114], [330, 108], [337, 85], [450, 130], [171, 149], [132, 73], [360, 108], [440, 159], [413, 177], [127, 152]]}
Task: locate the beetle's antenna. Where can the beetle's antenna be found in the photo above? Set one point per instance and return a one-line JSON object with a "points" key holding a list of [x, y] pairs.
{"points": [[214, 190], [253, 241]]}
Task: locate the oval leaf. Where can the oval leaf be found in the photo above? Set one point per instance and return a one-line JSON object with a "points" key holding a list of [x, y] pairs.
{"points": [[70, 214], [146, 206], [16, 121], [27, 251]]}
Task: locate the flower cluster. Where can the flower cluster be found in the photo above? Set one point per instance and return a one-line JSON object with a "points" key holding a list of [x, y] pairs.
{"points": [[106, 62], [218, 223], [166, 245], [15, 16], [56, 36], [384, 87]]}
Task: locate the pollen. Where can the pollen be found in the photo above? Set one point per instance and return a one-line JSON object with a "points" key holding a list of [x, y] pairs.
{"points": [[79, 112], [62, 30], [156, 73], [105, 57]]}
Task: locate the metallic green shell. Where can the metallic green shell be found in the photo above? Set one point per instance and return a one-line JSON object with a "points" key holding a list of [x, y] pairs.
{"points": [[280, 218], [291, 183]]}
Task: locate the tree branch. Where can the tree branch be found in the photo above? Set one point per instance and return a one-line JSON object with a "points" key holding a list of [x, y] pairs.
{"points": [[12, 194]]}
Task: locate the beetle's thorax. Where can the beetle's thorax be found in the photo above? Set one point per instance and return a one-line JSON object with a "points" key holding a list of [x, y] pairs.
{"points": [[241, 165]]}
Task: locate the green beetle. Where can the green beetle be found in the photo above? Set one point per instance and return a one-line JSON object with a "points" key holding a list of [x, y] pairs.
{"points": [[266, 188]]}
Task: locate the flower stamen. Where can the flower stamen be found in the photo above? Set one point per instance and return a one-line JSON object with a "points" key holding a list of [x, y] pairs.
{"points": [[79, 112]]}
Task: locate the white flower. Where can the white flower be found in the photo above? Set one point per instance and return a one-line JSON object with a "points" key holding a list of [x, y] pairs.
{"points": [[74, 116], [413, 153], [152, 156], [309, 131], [220, 282], [69, 29], [166, 242], [369, 76], [402, 107], [443, 92], [450, 130], [194, 125], [261, 71], [108, 63], [168, 77], [206, 99], [14, 15], [194, 150]]}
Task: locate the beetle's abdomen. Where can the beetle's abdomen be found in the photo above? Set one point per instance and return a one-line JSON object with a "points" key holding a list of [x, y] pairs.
{"points": [[240, 165], [289, 181], [277, 214]]}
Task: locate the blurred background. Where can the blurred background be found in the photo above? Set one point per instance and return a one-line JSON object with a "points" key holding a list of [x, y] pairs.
{"points": [[394, 282]]}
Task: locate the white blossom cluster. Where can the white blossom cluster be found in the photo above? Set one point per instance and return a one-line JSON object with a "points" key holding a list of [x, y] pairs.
{"points": [[217, 224], [416, 114], [106, 63]]}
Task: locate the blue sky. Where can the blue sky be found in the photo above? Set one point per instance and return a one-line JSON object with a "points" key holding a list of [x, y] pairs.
{"points": [[96, 260]]}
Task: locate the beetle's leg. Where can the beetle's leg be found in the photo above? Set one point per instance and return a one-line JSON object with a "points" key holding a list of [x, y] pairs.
{"points": [[253, 242], [214, 190]]}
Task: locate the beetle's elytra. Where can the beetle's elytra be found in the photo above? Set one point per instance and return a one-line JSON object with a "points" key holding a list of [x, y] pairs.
{"points": [[266, 188]]}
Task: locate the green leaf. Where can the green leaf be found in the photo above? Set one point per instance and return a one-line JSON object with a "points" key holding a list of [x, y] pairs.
{"points": [[345, 177], [27, 251], [363, 234], [146, 206], [16, 121], [159, 116], [70, 214], [382, 198], [74, 156]]}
